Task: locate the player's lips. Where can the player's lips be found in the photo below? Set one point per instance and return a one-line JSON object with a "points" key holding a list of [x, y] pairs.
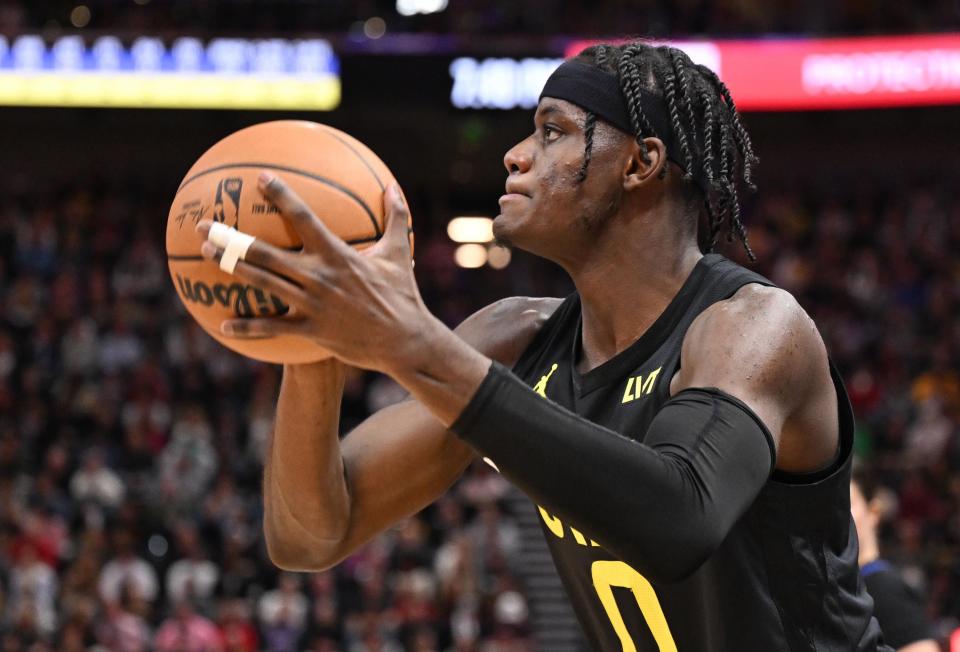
{"points": [[514, 193], [514, 188]]}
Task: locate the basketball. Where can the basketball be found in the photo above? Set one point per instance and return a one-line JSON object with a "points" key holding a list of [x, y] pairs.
{"points": [[335, 174]]}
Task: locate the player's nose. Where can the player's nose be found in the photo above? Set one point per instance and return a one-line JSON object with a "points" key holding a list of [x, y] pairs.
{"points": [[518, 158]]}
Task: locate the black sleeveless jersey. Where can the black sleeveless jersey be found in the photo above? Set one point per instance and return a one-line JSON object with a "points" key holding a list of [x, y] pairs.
{"points": [[785, 578]]}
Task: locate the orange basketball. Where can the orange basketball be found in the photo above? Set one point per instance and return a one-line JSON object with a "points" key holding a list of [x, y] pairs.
{"points": [[335, 174]]}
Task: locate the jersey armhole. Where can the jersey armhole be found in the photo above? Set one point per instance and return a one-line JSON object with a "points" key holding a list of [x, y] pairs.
{"points": [[845, 424]]}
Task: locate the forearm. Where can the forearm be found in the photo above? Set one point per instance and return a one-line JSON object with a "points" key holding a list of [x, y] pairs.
{"points": [[663, 506], [306, 501]]}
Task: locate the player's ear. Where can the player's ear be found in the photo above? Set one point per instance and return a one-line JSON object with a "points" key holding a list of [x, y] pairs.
{"points": [[639, 170]]}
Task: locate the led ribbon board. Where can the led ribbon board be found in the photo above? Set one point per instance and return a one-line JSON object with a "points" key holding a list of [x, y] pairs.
{"points": [[763, 75], [224, 73], [839, 73]]}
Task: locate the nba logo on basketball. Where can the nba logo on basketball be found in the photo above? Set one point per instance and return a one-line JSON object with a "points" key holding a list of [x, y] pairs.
{"points": [[229, 189]]}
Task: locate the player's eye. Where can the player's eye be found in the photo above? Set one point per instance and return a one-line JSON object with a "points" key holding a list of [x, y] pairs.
{"points": [[550, 133]]}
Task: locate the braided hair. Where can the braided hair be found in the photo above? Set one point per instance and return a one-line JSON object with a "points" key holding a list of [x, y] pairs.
{"points": [[703, 118]]}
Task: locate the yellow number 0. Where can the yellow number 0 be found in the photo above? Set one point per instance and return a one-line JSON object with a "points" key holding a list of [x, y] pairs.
{"points": [[608, 574]]}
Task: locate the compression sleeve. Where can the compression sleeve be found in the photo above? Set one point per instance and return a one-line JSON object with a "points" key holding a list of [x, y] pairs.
{"points": [[662, 506]]}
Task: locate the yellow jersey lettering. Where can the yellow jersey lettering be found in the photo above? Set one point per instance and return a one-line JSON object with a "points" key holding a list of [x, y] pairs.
{"points": [[553, 523], [610, 574], [638, 386], [648, 385], [578, 536]]}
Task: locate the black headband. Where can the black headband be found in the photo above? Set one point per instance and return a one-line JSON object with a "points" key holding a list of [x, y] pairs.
{"points": [[598, 92]]}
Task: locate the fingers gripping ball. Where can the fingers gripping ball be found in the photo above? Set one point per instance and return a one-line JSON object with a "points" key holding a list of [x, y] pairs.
{"points": [[335, 174]]}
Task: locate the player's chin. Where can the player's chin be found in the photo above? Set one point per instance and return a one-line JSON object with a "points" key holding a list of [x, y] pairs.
{"points": [[508, 229]]}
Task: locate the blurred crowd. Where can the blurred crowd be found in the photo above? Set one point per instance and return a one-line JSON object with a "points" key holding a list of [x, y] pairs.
{"points": [[494, 17], [131, 444]]}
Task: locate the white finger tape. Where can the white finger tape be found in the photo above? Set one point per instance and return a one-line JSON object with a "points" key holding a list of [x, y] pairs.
{"points": [[236, 250], [220, 234], [234, 244]]}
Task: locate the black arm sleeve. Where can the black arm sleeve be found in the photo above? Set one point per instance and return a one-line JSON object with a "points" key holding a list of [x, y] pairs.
{"points": [[662, 506]]}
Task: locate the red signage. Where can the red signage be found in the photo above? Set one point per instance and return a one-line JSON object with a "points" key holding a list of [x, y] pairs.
{"points": [[842, 73]]}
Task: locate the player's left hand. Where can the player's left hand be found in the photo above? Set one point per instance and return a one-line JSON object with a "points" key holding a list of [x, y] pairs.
{"points": [[364, 307]]}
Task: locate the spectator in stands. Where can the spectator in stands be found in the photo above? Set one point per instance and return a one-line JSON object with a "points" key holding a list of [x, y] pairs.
{"points": [[120, 630], [193, 576], [897, 607], [127, 572], [79, 590], [225, 509], [237, 630], [494, 538], [283, 614], [96, 483], [187, 631], [189, 462], [31, 600]]}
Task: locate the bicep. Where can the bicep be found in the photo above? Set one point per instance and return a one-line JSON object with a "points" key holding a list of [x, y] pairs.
{"points": [[759, 346]]}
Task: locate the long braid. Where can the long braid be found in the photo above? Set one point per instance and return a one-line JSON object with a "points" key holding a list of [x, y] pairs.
{"points": [[710, 124], [670, 95], [601, 55], [736, 223], [679, 62], [727, 193], [588, 126], [744, 144], [632, 89], [714, 145]]}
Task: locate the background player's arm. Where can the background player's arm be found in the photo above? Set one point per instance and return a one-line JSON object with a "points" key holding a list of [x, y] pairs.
{"points": [[324, 497]]}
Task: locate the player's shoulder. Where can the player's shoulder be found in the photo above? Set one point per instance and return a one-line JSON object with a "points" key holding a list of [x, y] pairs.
{"points": [[755, 310], [761, 332], [504, 329]]}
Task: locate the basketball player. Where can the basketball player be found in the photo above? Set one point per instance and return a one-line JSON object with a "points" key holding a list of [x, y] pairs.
{"points": [[676, 420], [897, 607]]}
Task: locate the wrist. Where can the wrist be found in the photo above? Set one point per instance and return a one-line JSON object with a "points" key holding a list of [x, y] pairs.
{"points": [[438, 368], [416, 348]]}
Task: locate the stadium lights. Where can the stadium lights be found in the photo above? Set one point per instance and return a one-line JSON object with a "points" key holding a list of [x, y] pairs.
{"points": [[498, 257], [80, 16], [475, 235], [374, 28], [470, 229], [413, 7], [470, 256]]}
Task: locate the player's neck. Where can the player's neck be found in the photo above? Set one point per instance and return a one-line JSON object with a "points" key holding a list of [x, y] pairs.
{"points": [[627, 282]]}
